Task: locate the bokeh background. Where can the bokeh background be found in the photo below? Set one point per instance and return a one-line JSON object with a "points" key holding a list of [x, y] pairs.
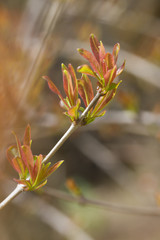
{"points": [[114, 159]]}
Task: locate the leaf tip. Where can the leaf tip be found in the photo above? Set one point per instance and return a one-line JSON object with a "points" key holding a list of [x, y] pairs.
{"points": [[46, 78], [80, 50]]}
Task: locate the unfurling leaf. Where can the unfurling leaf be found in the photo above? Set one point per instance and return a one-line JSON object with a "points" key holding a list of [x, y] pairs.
{"points": [[115, 52], [93, 61], [86, 70], [33, 173], [103, 65], [121, 68], [51, 85], [103, 68]]}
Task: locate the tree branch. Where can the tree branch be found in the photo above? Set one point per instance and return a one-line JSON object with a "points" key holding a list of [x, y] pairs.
{"points": [[140, 211], [72, 128]]}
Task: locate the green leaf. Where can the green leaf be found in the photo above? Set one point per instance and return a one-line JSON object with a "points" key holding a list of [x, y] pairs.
{"points": [[106, 99], [89, 120], [73, 74], [109, 76], [101, 114], [43, 171], [68, 86], [54, 168], [40, 186], [37, 168], [86, 70], [112, 86], [81, 109]]}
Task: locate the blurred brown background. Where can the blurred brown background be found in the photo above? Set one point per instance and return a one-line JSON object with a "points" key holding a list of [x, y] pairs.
{"points": [[116, 158]]}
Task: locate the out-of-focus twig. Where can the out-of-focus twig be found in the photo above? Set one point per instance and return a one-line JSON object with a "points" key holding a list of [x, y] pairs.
{"points": [[141, 211], [56, 8]]}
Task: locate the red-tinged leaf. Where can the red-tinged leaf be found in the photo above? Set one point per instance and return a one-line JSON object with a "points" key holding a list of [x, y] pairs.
{"points": [[102, 53], [107, 76], [73, 112], [75, 89], [27, 136], [121, 68], [20, 151], [73, 74], [54, 168], [37, 168], [85, 69], [104, 67], [88, 88], [43, 171], [54, 89], [11, 153], [51, 85], [109, 60], [115, 52], [96, 108], [40, 186], [85, 89], [94, 43], [110, 75], [81, 91], [28, 159], [68, 86], [107, 98], [18, 165], [92, 60]]}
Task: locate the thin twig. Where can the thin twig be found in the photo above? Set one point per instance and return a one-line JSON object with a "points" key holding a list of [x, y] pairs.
{"points": [[72, 128], [140, 211], [12, 195], [34, 66]]}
